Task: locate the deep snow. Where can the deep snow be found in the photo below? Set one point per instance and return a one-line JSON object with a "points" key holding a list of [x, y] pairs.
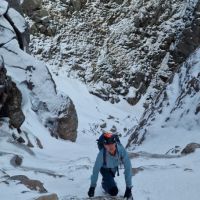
{"points": [[65, 167]]}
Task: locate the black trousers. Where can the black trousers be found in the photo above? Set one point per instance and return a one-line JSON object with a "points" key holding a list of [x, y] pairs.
{"points": [[108, 182]]}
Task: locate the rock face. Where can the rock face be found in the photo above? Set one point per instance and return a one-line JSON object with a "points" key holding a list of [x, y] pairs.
{"points": [[177, 105], [188, 87], [68, 124], [10, 99], [132, 48], [190, 148]]}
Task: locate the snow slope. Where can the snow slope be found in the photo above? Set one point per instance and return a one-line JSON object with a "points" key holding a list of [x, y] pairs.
{"points": [[73, 161], [65, 167]]}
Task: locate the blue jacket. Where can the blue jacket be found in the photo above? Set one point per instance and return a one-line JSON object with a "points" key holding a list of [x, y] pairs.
{"points": [[113, 162]]}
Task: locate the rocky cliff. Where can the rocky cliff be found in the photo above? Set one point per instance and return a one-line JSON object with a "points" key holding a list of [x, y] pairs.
{"points": [[177, 105], [120, 49], [56, 111], [10, 99]]}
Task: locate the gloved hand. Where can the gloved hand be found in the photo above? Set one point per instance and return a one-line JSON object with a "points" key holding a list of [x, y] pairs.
{"points": [[91, 191], [127, 193]]}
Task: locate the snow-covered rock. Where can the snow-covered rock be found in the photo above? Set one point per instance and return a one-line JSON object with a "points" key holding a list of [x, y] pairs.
{"points": [[56, 111], [3, 7], [18, 20], [10, 99], [177, 105]]}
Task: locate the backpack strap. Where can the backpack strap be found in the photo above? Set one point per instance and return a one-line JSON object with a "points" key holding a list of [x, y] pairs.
{"points": [[104, 157], [119, 159]]}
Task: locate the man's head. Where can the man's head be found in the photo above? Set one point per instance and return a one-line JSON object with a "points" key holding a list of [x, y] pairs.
{"points": [[109, 142]]}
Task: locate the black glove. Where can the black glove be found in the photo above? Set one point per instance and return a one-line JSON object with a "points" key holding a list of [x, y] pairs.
{"points": [[91, 192], [127, 193]]}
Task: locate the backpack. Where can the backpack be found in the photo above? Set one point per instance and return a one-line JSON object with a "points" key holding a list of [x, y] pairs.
{"points": [[100, 141]]}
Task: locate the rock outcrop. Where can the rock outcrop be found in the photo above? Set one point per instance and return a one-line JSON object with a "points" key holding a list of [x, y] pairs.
{"points": [[188, 87], [177, 105], [29, 6], [68, 124], [190, 148], [29, 183], [26, 71], [10, 99]]}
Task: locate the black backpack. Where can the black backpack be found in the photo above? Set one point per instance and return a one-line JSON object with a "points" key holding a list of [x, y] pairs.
{"points": [[100, 141]]}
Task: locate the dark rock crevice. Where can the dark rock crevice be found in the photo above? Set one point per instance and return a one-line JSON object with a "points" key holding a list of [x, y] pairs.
{"points": [[17, 32], [23, 38], [2, 44]]}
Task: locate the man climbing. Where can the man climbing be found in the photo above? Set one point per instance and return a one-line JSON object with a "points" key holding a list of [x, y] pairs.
{"points": [[110, 156]]}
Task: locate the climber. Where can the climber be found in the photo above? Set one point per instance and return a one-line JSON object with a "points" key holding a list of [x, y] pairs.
{"points": [[111, 155]]}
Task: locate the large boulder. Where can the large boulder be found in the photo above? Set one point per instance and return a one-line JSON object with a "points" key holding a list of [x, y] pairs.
{"points": [[65, 124], [190, 148], [68, 124]]}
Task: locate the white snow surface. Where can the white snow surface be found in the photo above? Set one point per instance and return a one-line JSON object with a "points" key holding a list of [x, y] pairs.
{"points": [[3, 7], [175, 178], [17, 19]]}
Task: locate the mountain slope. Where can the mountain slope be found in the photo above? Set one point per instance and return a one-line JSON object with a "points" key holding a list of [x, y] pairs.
{"points": [[177, 105], [133, 47], [116, 47]]}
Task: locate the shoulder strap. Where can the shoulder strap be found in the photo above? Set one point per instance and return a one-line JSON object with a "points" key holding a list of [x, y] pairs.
{"points": [[119, 156], [104, 157]]}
